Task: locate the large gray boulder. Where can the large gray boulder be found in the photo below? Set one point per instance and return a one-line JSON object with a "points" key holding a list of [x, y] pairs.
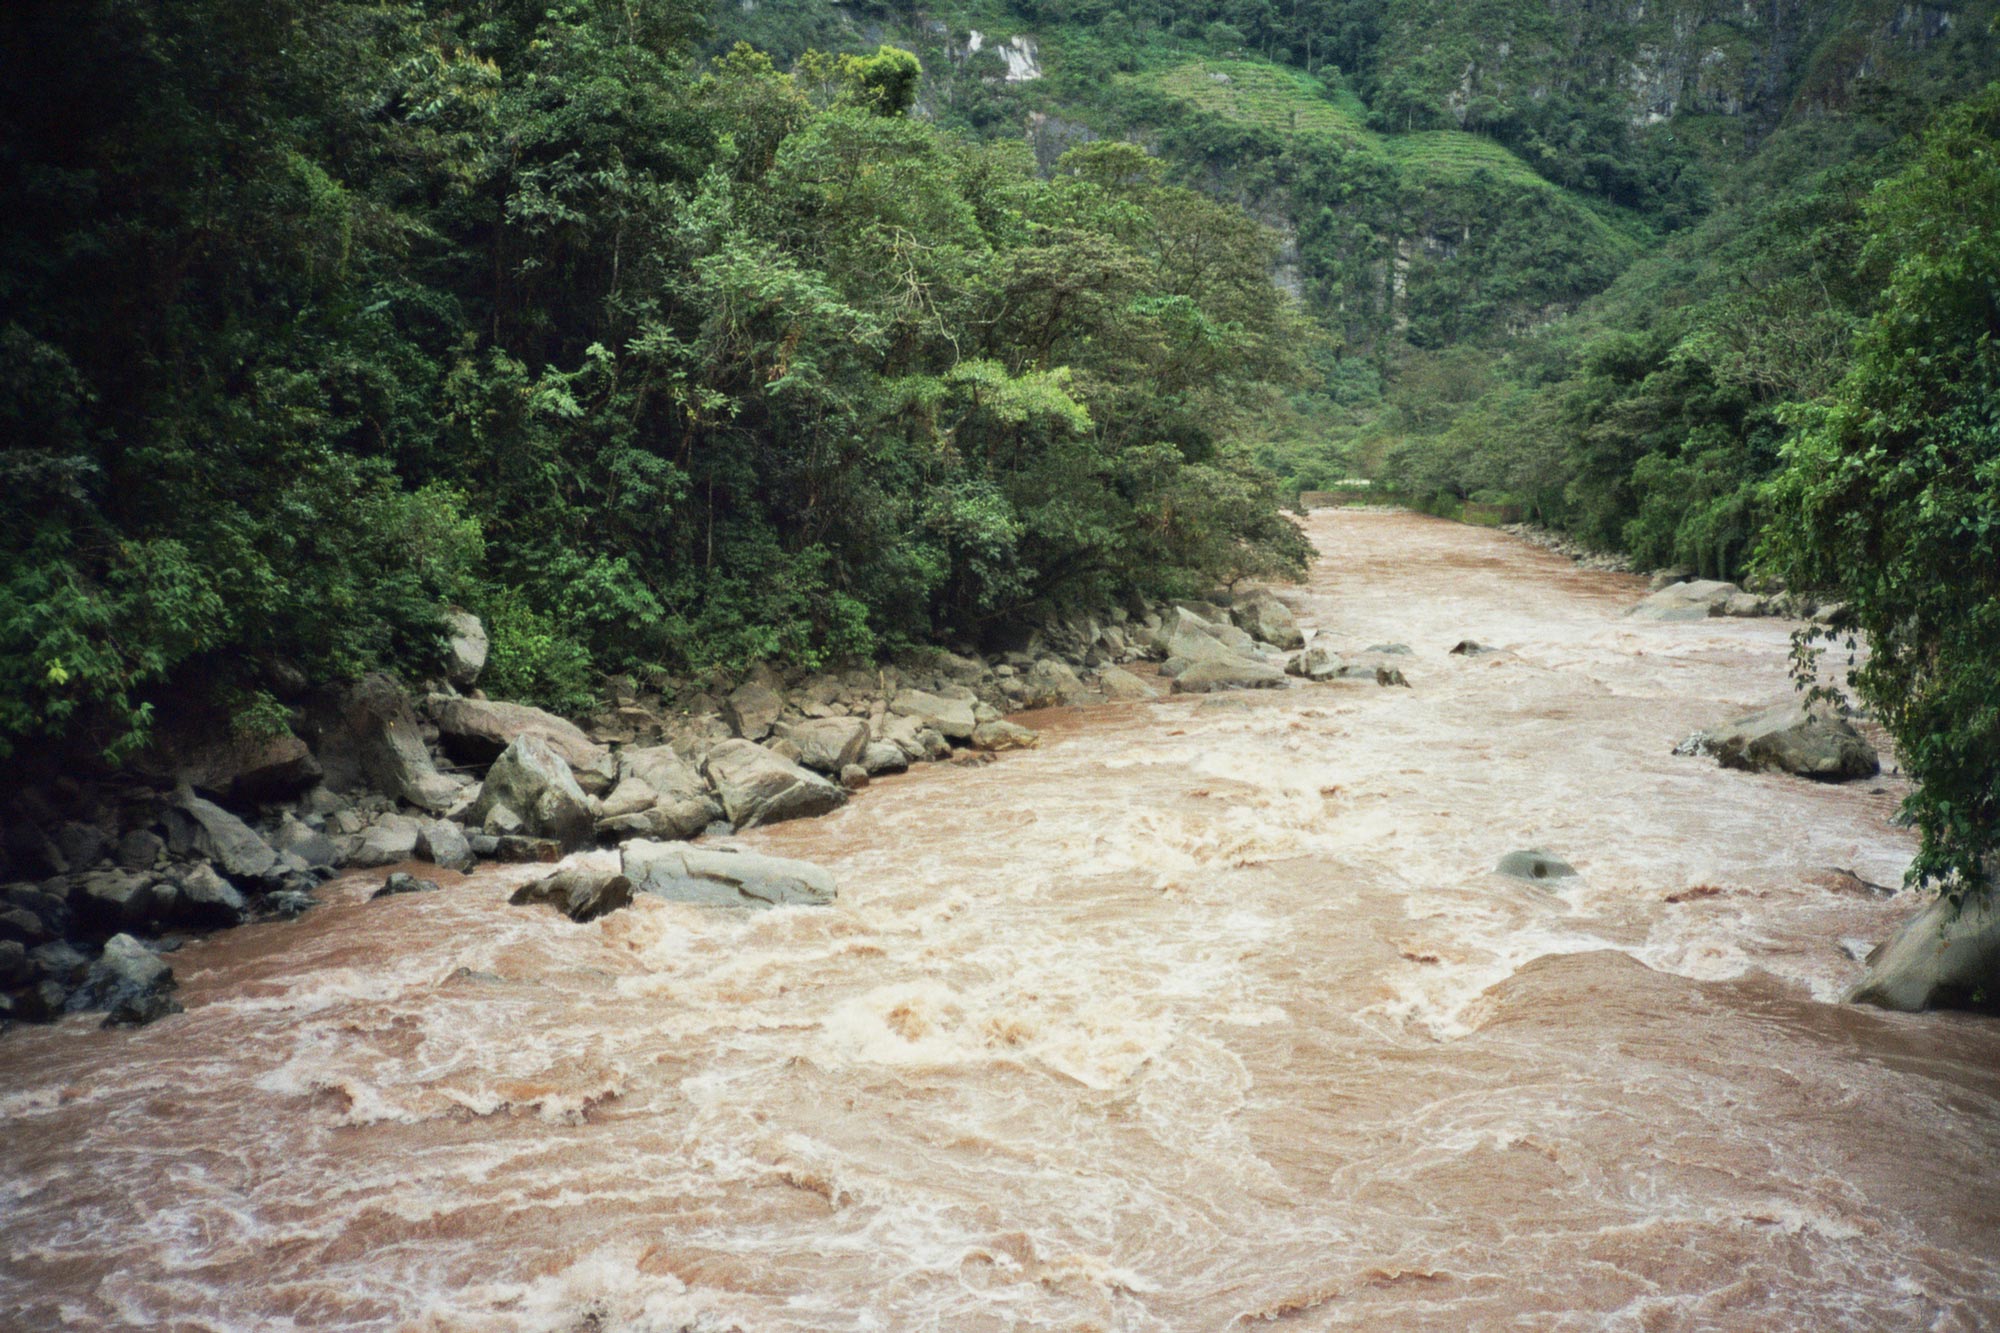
{"points": [[758, 787], [476, 731], [580, 895], [247, 768], [1262, 616], [444, 844], [465, 648], [828, 744], [108, 899], [367, 736], [305, 842], [659, 795], [391, 839], [1697, 599], [1947, 956], [130, 982], [1810, 740], [724, 877], [204, 899], [207, 830], [752, 709], [533, 781], [1050, 683], [1190, 638], [951, 718], [1232, 673], [883, 757]]}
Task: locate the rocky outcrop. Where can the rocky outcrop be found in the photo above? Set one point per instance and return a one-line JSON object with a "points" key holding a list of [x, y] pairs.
{"points": [[724, 877], [391, 839], [1947, 956], [248, 768], [659, 795], [1263, 617], [202, 828], [756, 786], [580, 895], [951, 718], [367, 736], [752, 710], [531, 782], [1810, 740], [476, 731], [828, 744], [130, 983]]}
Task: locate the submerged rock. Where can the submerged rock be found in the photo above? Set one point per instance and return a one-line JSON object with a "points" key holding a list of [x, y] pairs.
{"points": [[1315, 663], [401, 883], [1534, 865], [724, 877], [1947, 956], [1810, 740], [1118, 683]]}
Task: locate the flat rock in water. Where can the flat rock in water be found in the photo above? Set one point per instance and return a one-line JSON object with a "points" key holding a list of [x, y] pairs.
{"points": [[1947, 956], [759, 787], [1810, 740], [580, 895], [1316, 663], [724, 877], [1232, 673], [401, 883], [1534, 865], [1696, 599], [1004, 735]]}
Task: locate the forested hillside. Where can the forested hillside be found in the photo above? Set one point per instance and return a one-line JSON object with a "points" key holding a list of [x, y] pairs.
{"points": [[323, 317]]}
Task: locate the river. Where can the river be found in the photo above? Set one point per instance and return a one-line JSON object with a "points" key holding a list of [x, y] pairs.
{"points": [[1206, 1014]]}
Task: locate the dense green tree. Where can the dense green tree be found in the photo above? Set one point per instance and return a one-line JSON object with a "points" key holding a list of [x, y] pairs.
{"points": [[1891, 490]]}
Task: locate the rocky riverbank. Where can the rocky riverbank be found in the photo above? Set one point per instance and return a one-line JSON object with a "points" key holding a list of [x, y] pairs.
{"points": [[101, 877]]}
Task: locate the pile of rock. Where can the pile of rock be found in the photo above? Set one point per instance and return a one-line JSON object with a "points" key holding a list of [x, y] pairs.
{"points": [[215, 832]]}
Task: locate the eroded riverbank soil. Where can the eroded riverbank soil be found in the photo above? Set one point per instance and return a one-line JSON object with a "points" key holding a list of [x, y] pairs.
{"points": [[1204, 1014]]}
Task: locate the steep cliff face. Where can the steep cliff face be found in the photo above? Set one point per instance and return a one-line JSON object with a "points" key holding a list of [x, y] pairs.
{"points": [[1486, 64]]}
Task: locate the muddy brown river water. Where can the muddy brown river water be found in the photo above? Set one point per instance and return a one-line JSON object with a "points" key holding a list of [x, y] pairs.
{"points": [[1205, 1015]]}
